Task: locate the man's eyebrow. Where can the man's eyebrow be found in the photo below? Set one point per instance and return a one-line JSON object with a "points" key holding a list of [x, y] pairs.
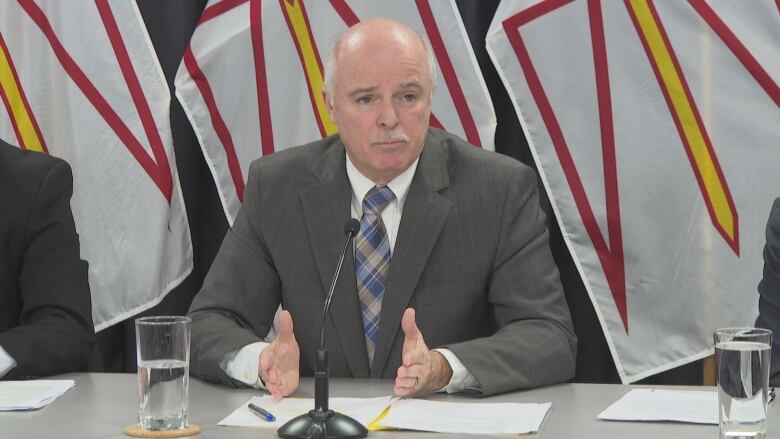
{"points": [[361, 91], [412, 84]]}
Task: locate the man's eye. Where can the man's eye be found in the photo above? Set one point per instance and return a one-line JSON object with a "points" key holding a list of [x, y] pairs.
{"points": [[409, 97], [364, 100]]}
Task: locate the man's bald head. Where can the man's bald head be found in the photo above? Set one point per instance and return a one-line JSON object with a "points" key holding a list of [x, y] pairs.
{"points": [[375, 32]]}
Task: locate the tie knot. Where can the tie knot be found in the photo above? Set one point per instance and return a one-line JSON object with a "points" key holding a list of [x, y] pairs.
{"points": [[376, 199]]}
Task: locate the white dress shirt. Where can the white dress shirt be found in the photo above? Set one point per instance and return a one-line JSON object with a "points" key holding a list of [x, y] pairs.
{"points": [[7, 362], [243, 365]]}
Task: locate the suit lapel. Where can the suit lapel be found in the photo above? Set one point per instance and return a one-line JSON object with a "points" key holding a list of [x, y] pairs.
{"points": [[326, 208], [424, 214]]}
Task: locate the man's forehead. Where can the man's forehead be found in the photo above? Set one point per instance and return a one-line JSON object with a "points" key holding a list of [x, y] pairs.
{"points": [[381, 39], [393, 70]]}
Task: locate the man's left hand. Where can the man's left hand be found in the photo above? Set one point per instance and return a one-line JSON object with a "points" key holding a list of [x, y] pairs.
{"points": [[421, 370]]}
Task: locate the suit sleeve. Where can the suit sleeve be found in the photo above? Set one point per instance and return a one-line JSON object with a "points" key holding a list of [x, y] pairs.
{"points": [[769, 290], [534, 344], [55, 333], [240, 294]]}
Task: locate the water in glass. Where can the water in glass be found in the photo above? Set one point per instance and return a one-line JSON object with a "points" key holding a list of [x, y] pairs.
{"points": [[742, 388], [163, 388]]}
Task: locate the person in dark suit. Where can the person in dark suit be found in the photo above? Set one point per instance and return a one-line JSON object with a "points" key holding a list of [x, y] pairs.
{"points": [[452, 251], [45, 306], [769, 290]]}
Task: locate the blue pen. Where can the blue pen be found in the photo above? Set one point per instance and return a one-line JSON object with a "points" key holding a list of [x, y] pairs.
{"points": [[262, 413]]}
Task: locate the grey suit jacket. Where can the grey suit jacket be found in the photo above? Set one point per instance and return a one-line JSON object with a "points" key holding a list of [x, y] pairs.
{"points": [[769, 290], [471, 257]]}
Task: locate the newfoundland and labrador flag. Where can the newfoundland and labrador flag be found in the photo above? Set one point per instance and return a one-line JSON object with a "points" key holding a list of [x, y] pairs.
{"points": [[80, 80], [251, 78], [656, 129]]}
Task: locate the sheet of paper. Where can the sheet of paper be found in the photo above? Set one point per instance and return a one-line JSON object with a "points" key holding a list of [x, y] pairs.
{"points": [[451, 417], [31, 395], [364, 410], [695, 406]]}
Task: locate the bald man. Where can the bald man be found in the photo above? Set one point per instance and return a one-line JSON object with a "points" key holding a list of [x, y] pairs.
{"points": [[450, 286]]}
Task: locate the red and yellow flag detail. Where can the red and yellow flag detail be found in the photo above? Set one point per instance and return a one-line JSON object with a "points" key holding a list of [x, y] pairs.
{"points": [[685, 114], [12, 95], [300, 29]]}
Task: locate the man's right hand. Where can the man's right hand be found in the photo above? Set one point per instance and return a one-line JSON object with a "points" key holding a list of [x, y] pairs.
{"points": [[279, 361]]}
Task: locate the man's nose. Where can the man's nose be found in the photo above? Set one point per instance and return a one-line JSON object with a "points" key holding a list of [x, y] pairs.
{"points": [[387, 117]]}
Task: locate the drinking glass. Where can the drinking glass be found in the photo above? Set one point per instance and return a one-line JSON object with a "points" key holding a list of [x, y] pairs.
{"points": [[163, 347], [742, 356]]}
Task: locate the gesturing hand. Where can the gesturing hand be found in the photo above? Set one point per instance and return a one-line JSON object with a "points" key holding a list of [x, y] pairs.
{"points": [[279, 361], [421, 370]]}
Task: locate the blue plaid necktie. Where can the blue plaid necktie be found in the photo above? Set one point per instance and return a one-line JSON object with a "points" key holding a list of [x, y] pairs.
{"points": [[372, 258]]}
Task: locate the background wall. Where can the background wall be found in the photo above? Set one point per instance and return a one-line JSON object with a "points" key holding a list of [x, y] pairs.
{"points": [[170, 24]]}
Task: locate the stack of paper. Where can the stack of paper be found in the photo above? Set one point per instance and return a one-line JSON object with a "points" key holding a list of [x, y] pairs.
{"points": [[695, 406], [409, 414], [364, 410], [31, 395], [472, 418]]}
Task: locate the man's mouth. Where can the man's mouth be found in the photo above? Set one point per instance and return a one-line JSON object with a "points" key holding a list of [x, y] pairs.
{"points": [[389, 141]]}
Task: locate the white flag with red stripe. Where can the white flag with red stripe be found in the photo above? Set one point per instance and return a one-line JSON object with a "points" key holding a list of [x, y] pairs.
{"points": [[655, 127], [251, 78], [80, 80]]}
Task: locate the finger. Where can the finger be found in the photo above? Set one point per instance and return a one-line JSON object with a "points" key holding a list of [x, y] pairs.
{"points": [[408, 382], [403, 391], [289, 384], [275, 384], [411, 333], [408, 378], [265, 362], [406, 387], [285, 326], [273, 377], [418, 370]]}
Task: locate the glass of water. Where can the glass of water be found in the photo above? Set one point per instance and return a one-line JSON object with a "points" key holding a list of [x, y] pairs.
{"points": [[742, 356], [163, 347]]}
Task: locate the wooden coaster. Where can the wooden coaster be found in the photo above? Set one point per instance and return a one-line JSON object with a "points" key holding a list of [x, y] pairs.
{"points": [[137, 431]]}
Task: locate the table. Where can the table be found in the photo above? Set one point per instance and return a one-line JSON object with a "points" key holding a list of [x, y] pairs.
{"points": [[102, 404]]}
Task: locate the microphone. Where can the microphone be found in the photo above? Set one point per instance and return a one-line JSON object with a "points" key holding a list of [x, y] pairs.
{"points": [[323, 422]]}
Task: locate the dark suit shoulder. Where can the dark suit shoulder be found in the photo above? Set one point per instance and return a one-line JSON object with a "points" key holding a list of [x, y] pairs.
{"points": [[299, 161], [23, 175], [276, 181], [770, 284], [474, 166], [773, 229], [26, 169]]}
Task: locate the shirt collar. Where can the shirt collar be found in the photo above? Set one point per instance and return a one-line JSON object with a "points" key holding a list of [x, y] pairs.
{"points": [[362, 184]]}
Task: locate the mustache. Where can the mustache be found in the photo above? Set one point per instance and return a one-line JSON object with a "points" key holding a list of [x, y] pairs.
{"points": [[388, 136]]}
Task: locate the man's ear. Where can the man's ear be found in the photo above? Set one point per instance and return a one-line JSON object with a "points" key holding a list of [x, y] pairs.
{"points": [[328, 104]]}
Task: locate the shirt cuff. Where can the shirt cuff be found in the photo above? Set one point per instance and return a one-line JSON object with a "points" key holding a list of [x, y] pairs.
{"points": [[243, 364], [462, 379], [7, 362]]}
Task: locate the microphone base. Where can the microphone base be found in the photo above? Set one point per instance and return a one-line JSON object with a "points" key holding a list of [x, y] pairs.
{"points": [[322, 424]]}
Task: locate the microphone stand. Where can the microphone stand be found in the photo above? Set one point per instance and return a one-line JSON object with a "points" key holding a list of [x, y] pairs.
{"points": [[323, 422]]}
